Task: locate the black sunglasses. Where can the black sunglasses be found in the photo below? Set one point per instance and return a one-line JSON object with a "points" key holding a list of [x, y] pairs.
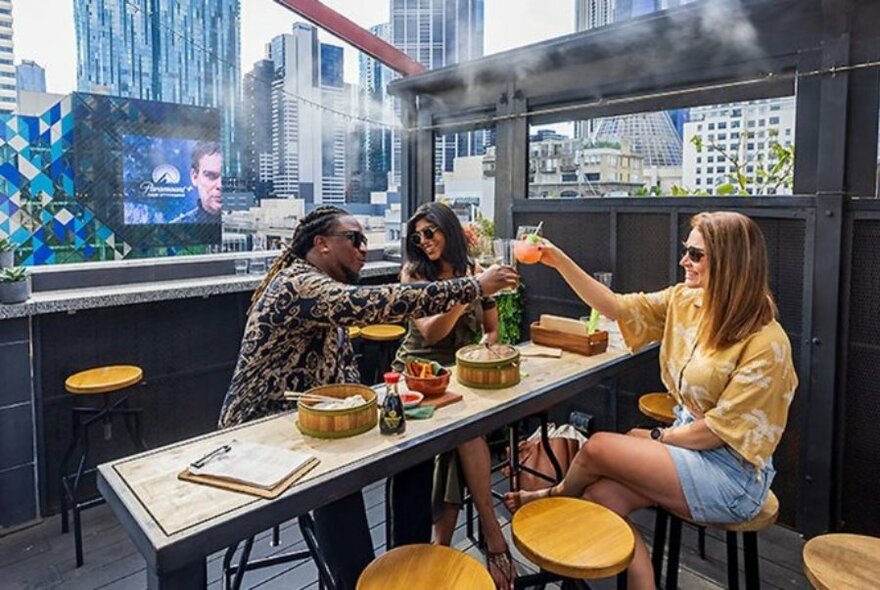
{"points": [[355, 237], [693, 253], [426, 234]]}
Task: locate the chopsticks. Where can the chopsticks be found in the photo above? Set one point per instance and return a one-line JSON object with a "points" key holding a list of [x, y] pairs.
{"points": [[309, 397]]}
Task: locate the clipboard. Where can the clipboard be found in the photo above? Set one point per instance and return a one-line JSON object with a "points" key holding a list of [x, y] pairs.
{"points": [[237, 486]]}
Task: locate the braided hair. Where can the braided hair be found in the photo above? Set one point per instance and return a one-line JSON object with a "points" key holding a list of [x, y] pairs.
{"points": [[317, 223]]}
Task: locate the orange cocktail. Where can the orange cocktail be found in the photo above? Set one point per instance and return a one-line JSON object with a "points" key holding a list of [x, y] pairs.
{"points": [[526, 248]]}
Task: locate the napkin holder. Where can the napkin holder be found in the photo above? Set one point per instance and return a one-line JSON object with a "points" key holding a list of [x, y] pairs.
{"points": [[587, 345]]}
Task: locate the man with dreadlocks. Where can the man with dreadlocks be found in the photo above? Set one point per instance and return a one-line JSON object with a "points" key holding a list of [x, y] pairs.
{"points": [[296, 339]]}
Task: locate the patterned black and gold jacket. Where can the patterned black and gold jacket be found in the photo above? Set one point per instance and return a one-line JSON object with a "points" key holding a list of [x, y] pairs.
{"points": [[296, 336]]}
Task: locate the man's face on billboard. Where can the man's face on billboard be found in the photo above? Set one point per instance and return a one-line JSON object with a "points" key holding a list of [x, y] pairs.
{"points": [[207, 181]]}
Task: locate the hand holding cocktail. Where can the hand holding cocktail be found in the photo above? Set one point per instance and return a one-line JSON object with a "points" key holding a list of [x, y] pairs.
{"points": [[526, 245]]}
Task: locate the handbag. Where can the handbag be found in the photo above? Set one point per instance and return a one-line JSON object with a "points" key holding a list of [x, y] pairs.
{"points": [[565, 442]]}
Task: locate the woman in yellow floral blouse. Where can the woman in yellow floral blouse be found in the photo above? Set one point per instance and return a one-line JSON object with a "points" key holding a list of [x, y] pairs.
{"points": [[726, 361]]}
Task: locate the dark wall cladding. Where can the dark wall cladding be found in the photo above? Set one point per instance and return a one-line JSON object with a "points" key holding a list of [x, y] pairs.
{"points": [[643, 244], [860, 510], [187, 349], [643, 248]]}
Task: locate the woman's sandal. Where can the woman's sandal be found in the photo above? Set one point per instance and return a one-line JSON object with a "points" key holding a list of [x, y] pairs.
{"points": [[503, 563]]}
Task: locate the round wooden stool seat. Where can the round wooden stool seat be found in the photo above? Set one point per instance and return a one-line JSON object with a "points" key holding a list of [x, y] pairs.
{"points": [[842, 561], [354, 332], [573, 538], [382, 332], [103, 379], [658, 406], [766, 517], [425, 567]]}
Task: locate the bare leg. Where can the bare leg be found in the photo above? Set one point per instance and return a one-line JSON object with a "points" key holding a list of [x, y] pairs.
{"points": [[643, 465], [623, 500], [476, 465], [445, 526]]}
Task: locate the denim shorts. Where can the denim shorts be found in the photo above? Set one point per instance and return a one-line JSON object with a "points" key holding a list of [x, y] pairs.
{"points": [[719, 485]]}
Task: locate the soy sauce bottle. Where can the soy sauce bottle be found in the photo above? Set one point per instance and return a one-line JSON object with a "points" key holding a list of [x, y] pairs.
{"points": [[392, 419]]}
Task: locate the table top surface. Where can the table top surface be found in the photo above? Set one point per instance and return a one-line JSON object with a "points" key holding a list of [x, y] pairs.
{"points": [[159, 510]]}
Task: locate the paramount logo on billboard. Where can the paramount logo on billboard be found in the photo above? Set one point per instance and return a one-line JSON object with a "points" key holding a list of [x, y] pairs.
{"points": [[165, 184]]}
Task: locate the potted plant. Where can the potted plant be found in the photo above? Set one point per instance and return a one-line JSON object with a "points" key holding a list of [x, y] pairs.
{"points": [[15, 285], [6, 259]]}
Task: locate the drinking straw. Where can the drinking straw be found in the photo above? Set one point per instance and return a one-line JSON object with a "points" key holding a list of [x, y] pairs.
{"points": [[538, 229]]}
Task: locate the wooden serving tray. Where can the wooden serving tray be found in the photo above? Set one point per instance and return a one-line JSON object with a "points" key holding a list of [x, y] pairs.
{"points": [[449, 397], [595, 343]]}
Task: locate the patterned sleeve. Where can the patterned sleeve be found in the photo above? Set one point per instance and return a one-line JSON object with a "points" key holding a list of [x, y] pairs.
{"points": [[643, 317], [752, 410], [317, 298]]}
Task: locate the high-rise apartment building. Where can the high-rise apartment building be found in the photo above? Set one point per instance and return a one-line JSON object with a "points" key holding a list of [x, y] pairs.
{"points": [[376, 106], [746, 131], [30, 77], [439, 33], [308, 136], [257, 157], [179, 51], [7, 59]]}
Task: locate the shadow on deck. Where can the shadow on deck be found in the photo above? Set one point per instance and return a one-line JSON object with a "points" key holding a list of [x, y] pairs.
{"points": [[41, 557]]}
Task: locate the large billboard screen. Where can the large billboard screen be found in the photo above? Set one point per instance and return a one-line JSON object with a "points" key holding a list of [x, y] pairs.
{"points": [[169, 180]]}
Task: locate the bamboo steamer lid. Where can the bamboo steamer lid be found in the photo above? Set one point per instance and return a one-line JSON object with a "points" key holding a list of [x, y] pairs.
{"points": [[490, 367]]}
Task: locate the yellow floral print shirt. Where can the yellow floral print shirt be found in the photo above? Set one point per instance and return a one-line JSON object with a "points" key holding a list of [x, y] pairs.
{"points": [[743, 391]]}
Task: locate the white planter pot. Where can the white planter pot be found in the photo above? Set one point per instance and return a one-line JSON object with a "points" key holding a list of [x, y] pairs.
{"points": [[6, 259], [17, 292]]}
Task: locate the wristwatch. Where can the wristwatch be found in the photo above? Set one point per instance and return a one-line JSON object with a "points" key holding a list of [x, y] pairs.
{"points": [[657, 433]]}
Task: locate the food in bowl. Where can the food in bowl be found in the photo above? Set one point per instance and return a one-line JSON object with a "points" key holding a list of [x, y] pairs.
{"points": [[433, 385]]}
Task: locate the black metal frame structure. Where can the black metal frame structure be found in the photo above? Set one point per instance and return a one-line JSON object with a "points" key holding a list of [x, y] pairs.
{"points": [[824, 52]]}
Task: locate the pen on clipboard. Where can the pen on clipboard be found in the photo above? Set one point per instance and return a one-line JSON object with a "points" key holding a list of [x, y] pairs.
{"points": [[213, 454]]}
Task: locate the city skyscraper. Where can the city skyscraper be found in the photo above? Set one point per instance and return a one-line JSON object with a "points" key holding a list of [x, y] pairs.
{"points": [[654, 136], [179, 51], [257, 158], [308, 140], [7, 59], [439, 33], [30, 77], [376, 105]]}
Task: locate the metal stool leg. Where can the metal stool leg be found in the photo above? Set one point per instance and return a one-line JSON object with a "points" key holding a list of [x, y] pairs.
{"points": [[307, 526], [701, 541], [660, 521], [750, 560], [732, 566], [242, 564], [674, 553], [65, 461]]}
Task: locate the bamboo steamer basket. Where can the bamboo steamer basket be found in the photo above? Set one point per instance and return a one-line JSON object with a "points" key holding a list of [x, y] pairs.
{"points": [[487, 367], [338, 423]]}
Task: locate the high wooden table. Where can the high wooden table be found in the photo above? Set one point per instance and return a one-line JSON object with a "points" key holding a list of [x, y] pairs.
{"points": [[176, 525]]}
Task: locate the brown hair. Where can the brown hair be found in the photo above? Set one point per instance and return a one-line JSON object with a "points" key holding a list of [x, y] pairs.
{"points": [[737, 300]]}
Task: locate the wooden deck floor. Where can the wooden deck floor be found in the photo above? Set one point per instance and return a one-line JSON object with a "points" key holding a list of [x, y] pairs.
{"points": [[41, 557]]}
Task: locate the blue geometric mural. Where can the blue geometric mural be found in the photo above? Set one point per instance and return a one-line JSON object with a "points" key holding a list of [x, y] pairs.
{"points": [[59, 176]]}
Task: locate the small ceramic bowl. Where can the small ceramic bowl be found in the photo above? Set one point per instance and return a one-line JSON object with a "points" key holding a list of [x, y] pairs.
{"points": [[430, 386], [411, 399]]}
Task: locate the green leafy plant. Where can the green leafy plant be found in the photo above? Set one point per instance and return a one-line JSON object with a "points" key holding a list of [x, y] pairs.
{"points": [[5, 245], [510, 312], [768, 175], [14, 274]]}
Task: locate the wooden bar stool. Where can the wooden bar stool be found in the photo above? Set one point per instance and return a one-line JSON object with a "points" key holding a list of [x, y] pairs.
{"points": [[572, 539], [660, 407], [425, 567], [839, 561], [380, 345], [749, 529], [105, 382]]}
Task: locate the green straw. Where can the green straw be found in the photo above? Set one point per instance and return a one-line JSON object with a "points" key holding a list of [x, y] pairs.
{"points": [[594, 321]]}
